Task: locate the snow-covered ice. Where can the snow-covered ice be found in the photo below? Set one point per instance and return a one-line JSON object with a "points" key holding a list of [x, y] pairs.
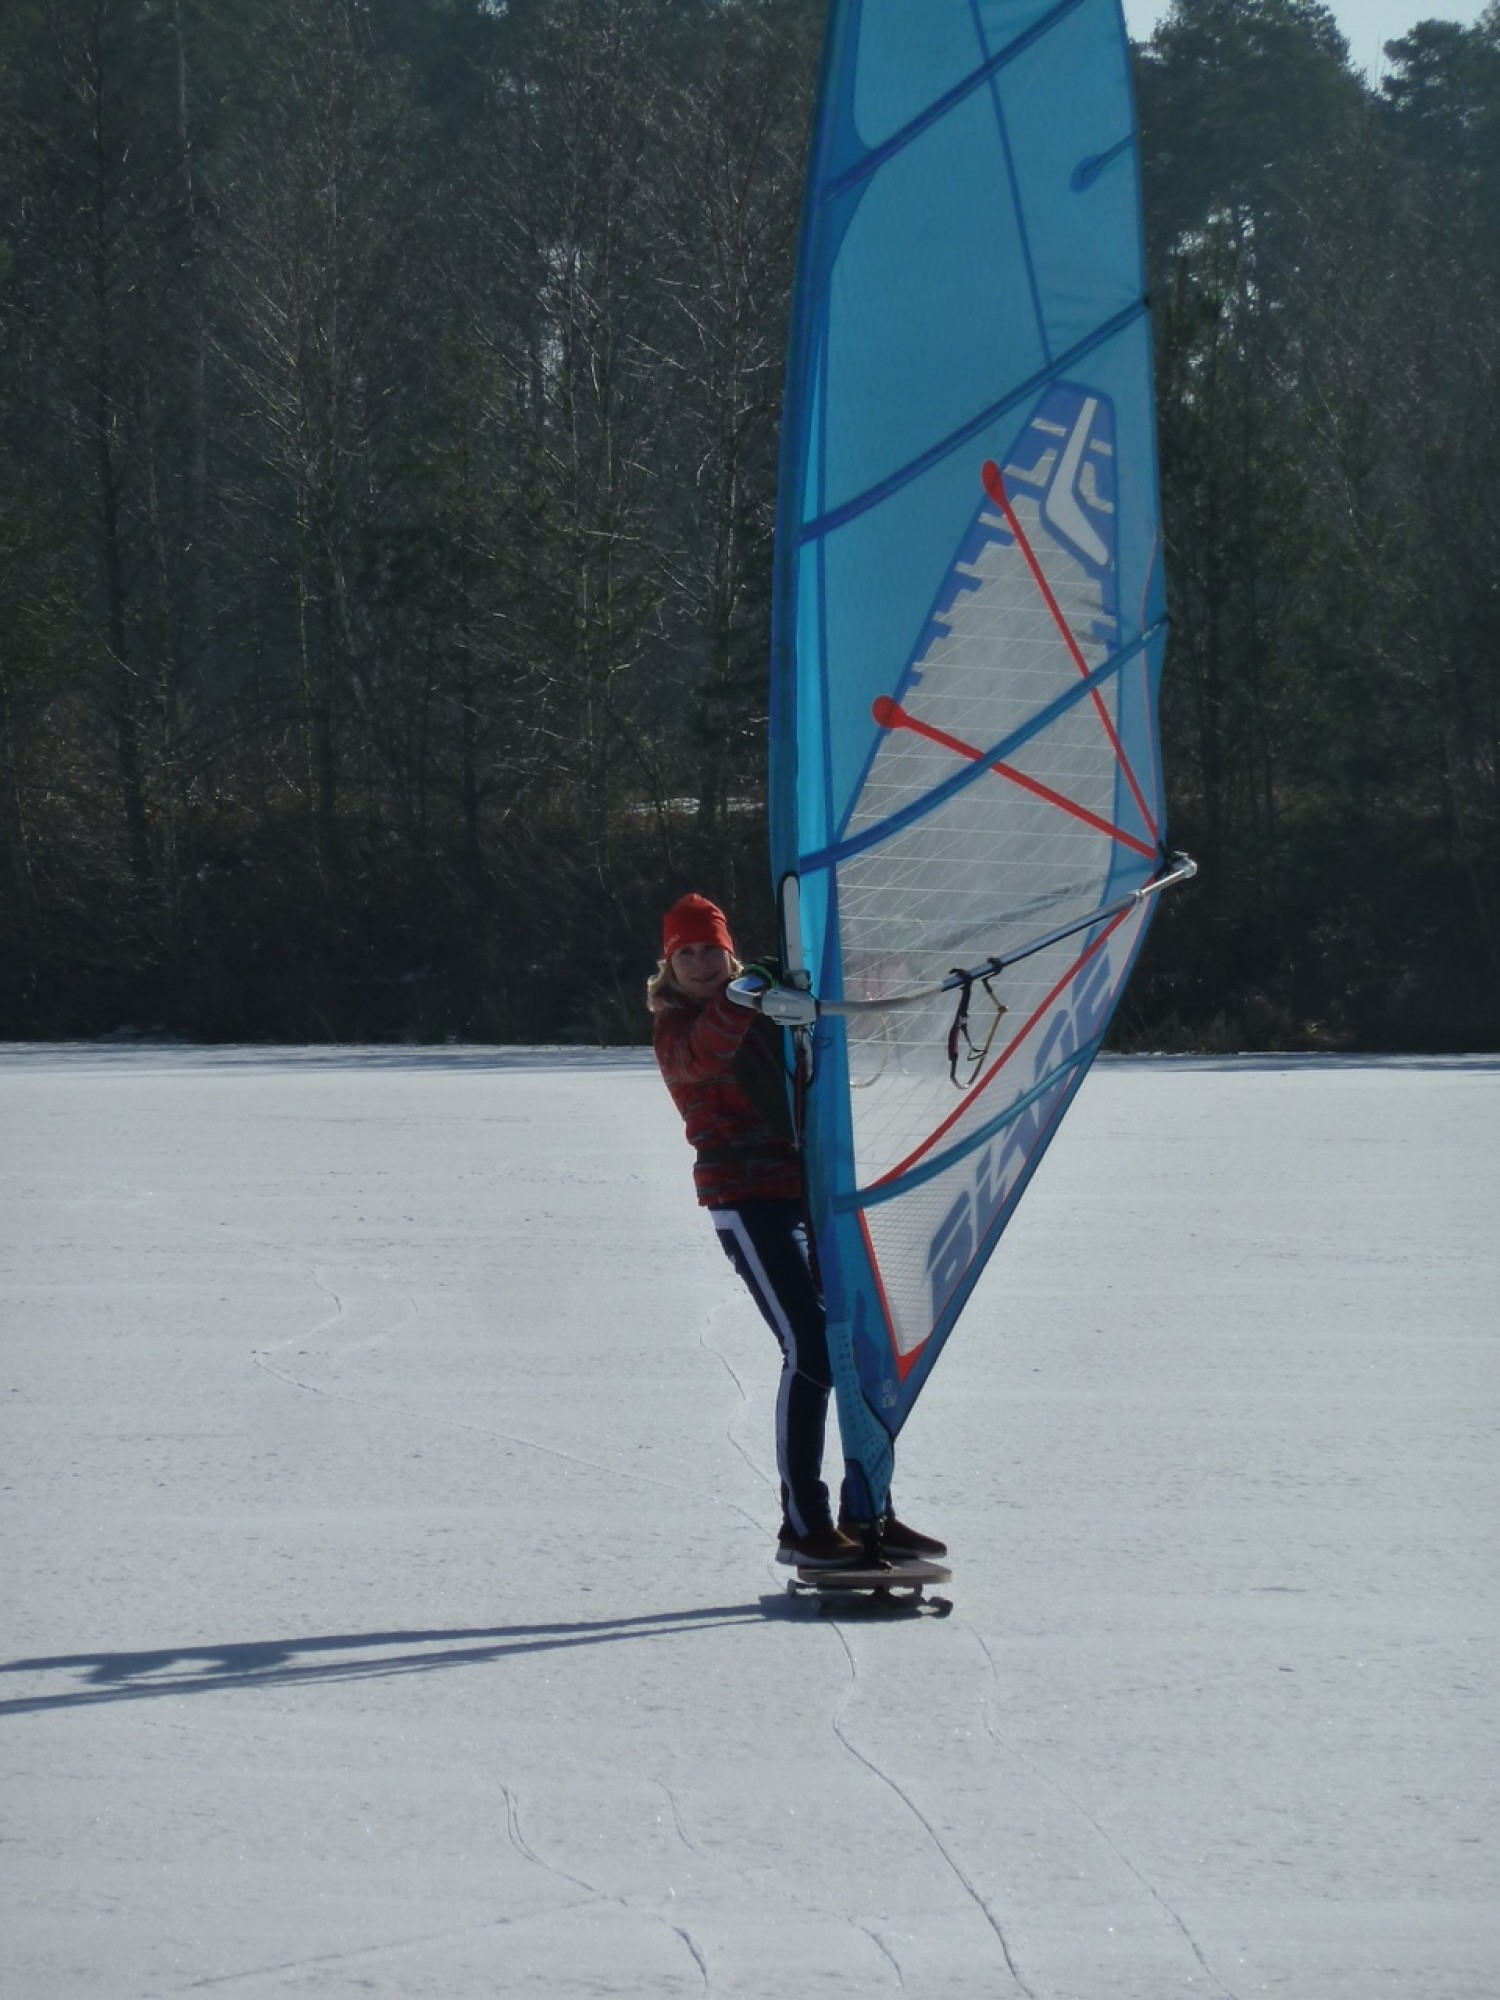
{"points": [[386, 1580]]}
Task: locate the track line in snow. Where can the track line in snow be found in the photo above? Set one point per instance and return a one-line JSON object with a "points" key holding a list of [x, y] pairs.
{"points": [[698, 1959], [753, 1889], [1054, 1784], [678, 1824], [950, 1859], [886, 1953], [517, 1838], [445, 1424], [515, 1833], [726, 1304], [261, 1356], [342, 1302], [424, 1941], [261, 1359], [622, 1473]]}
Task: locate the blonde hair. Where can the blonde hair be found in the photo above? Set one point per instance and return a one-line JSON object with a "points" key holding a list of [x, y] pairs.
{"points": [[662, 990]]}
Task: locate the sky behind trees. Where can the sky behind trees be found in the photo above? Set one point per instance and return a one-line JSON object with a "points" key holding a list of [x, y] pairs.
{"points": [[1368, 24]]}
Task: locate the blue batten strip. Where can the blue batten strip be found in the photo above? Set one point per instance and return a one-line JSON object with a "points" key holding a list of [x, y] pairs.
{"points": [[872, 1197], [1028, 391], [971, 773], [976, 80]]}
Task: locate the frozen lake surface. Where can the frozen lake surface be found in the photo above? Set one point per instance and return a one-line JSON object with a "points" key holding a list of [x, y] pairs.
{"points": [[385, 1563]]}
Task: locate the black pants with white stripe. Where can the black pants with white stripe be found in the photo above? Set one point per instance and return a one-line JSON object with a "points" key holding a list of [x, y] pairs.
{"points": [[766, 1241]]}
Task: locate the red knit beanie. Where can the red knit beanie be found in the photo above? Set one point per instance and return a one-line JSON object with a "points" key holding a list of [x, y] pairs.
{"points": [[694, 920]]}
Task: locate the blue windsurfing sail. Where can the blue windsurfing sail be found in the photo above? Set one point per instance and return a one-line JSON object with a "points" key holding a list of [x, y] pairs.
{"points": [[966, 796]]}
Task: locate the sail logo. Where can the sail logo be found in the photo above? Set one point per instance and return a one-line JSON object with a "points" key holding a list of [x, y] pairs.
{"points": [[1065, 456], [1076, 1024]]}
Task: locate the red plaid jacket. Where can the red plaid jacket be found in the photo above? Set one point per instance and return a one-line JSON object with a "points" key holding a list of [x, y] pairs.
{"points": [[724, 1068]]}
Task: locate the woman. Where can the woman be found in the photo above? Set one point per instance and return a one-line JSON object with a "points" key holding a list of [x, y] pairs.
{"points": [[724, 1066]]}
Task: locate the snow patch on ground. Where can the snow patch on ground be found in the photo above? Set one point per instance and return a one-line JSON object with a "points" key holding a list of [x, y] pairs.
{"points": [[388, 1502]]}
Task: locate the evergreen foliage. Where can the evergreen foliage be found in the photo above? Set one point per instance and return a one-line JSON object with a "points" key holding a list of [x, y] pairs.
{"points": [[388, 419]]}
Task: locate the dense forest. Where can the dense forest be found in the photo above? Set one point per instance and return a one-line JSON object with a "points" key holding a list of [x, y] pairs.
{"points": [[389, 395]]}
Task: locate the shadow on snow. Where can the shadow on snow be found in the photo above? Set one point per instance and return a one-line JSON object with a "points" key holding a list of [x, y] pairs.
{"points": [[282, 1663]]}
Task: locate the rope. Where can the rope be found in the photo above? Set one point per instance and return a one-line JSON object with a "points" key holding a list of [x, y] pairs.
{"points": [[961, 1044]]}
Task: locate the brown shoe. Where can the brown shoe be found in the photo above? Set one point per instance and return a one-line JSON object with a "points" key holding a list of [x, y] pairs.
{"points": [[824, 1548], [897, 1540]]}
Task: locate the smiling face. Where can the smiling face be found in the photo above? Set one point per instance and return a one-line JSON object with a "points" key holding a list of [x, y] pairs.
{"points": [[702, 970]]}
